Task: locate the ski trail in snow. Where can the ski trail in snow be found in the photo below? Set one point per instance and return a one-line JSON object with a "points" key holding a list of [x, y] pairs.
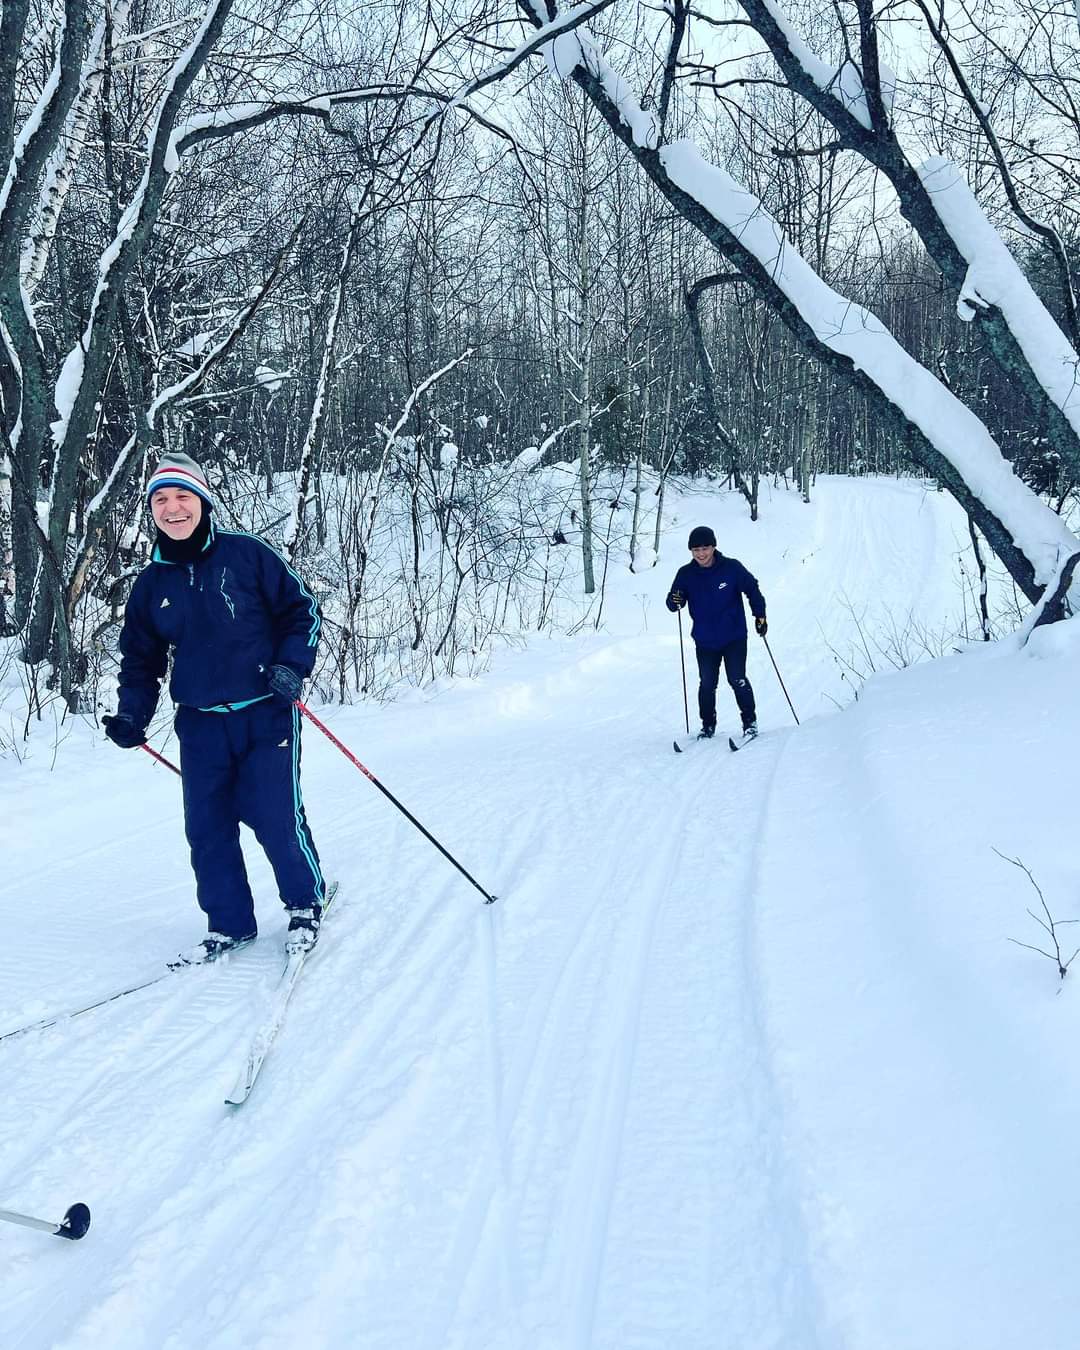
{"points": [[102, 1092], [578, 1151], [563, 1161], [600, 1160], [586, 1118], [509, 1273], [723, 1127], [231, 1217]]}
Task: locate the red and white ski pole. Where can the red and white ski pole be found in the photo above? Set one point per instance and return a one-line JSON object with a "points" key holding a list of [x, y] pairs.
{"points": [[73, 1225], [489, 899]]}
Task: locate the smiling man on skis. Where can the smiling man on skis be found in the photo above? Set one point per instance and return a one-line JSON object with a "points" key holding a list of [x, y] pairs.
{"points": [[714, 586], [242, 629]]}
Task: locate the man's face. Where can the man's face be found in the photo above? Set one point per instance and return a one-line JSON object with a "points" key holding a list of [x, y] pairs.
{"points": [[176, 511], [703, 554]]}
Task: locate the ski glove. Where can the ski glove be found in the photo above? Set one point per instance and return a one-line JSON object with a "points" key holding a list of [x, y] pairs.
{"points": [[678, 599], [122, 731], [761, 625], [285, 684]]}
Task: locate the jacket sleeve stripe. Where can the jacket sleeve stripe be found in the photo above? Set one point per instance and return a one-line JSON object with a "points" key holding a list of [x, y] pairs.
{"points": [[316, 620]]}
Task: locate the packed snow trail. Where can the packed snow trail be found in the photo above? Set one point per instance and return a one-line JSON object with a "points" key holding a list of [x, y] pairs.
{"points": [[686, 1084]]}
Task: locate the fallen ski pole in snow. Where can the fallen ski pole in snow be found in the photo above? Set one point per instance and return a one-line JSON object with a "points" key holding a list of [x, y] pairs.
{"points": [[161, 759], [73, 1225], [783, 686], [488, 898]]}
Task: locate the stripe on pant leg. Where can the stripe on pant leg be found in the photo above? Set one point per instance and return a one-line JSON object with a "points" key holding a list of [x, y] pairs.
{"points": [[301, 835]]}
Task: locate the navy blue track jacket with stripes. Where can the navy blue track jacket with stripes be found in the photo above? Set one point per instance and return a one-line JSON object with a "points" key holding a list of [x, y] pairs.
{"points": [[715, 597], [229, 616]]}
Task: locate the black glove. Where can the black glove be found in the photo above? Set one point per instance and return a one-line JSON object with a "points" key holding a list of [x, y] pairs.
{"points": [[761, 625], [678, 599], [122, 731], [285, 684]]}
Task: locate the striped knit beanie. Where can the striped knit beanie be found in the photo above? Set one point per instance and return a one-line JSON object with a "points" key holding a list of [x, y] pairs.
{"points": [[179, 471]]}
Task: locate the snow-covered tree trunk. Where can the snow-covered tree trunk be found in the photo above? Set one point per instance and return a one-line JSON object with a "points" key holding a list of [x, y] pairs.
{"points": [[992, 291], [7, 558], [294, 527], [729, 446], [77, 392], [60, 171], [585, 356], [24, 371]]}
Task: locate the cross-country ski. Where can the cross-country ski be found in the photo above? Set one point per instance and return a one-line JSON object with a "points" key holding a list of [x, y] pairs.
{"points": [[268, 1028]]}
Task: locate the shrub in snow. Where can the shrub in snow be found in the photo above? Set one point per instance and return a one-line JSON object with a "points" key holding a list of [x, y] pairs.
{"points": [[528, 459], [268, 379], [644, 559], [1049, 925]]}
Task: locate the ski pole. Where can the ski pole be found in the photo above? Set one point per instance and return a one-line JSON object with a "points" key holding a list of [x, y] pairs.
{"points": [[161, 759], [488, 898], [682, 660], [73, 1225], [778, 676]]}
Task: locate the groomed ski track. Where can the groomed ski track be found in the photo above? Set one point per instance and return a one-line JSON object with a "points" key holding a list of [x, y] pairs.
{"points": [[466, 1093], [583, 1117]]}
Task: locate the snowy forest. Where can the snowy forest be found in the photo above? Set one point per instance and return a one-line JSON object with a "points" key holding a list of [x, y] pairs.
{"points": [[481, 363], [374, 266]]}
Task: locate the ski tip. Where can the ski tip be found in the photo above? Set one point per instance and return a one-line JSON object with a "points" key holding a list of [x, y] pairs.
{"points": [[731, 744], [75, 1223], [676, 747], [240, 1093]]}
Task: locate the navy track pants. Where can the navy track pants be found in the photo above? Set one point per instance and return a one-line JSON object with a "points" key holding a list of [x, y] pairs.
{"points": [[733, 659], [243, 767]]}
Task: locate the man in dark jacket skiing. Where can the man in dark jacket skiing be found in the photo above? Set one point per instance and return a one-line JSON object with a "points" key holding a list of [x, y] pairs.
{"points": [[713, 586], [242, 628]]}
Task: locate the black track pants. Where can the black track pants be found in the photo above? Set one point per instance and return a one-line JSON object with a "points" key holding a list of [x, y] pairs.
{"points": [[733, 659]]}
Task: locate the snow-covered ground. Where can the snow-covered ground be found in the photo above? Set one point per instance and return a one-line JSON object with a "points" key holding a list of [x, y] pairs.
{"points": [[742, 1056]]}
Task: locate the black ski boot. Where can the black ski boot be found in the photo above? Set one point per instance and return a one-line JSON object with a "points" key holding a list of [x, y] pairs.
{"points": [[211, 948], [303, 929]]}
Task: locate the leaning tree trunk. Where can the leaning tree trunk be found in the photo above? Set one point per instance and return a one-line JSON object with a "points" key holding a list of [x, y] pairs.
{"points": [[585, 354], [938, 430]]}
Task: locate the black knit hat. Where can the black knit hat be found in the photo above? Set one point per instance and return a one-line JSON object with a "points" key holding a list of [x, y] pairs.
{"points": [[701, 535]]}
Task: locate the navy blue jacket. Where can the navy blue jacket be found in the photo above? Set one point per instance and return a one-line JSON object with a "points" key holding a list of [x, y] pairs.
{"points": [[715, 598], [230, 615]]}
